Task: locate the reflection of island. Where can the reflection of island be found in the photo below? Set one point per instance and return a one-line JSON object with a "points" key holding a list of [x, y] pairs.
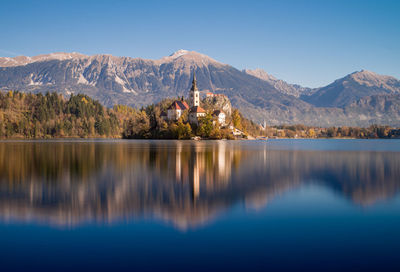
{"points": [[211, 167], [186, 183]]}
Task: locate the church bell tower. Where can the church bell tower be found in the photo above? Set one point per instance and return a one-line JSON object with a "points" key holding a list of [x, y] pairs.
{"points": [[194, 94]]}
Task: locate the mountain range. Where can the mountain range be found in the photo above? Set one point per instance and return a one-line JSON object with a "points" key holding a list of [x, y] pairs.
{"points": [[358, 99]]}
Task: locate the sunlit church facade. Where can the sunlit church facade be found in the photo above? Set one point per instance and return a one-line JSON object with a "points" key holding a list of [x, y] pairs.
{"points": [[176, 109]]}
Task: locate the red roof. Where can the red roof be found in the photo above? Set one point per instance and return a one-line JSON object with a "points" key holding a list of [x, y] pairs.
{"points": [[197, 109], [179, 105]]}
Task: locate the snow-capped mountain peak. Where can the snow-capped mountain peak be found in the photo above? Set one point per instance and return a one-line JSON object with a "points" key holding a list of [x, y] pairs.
{"points": [[23, 60], [179, 53]]}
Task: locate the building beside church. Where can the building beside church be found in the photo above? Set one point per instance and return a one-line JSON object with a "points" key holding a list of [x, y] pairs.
{"points": [[210, 94], [176, 109], [220, 116]]}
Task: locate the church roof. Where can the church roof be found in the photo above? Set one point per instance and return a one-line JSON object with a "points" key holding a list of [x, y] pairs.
{"points": [[197, 109], [178, 105]]}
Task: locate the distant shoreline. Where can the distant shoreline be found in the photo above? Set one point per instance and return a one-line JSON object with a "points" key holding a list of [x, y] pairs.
{"points": [[186, 140]]}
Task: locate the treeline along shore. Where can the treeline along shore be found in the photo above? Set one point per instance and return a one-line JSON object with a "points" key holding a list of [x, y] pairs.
{"points": [[50, 115], [38, 116], [302, 131]]}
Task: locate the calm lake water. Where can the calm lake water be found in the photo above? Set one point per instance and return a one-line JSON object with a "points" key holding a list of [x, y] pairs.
{"points": [[321, 205]]}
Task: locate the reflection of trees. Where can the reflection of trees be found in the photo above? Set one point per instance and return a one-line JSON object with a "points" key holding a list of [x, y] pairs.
{"points": [[184, 182], [71, 182], [365, 177]]}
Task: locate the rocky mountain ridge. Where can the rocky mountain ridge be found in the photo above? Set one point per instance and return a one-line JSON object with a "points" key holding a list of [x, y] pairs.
{"points": [[349, 89], [23, 60], [137, 82], [286, 88]]}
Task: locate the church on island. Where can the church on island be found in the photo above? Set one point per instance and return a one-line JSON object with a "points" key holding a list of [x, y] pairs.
{"points": [[196, 112]]}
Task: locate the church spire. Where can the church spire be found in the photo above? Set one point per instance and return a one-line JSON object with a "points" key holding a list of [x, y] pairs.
{"points": [[194, 93], [194, 82]]}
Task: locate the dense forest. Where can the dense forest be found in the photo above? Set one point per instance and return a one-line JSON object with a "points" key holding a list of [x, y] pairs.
{"points": [[26, 115], [38, 116]]}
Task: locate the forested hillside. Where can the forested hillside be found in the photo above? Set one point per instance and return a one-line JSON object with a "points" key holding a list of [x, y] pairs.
{"points": [[28, 115]]}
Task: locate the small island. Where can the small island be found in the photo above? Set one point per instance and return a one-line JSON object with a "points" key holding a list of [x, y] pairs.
{"points": [[187, 119]]}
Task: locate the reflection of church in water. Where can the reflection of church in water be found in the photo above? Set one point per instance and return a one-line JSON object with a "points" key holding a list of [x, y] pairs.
{"points": [[204, 170]]}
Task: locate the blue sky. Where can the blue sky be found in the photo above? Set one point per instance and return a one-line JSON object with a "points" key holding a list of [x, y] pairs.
{"points": [[310, 43]]}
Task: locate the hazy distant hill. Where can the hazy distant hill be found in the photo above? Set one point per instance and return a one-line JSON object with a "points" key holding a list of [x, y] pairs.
{"points": [[381, 108], [351, 88], [138, 82]]}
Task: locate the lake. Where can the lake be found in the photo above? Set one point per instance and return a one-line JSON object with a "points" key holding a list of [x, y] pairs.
{"points": [[315, 205]]}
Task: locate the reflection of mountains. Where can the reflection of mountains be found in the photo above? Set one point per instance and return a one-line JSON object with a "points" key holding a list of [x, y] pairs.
{"points": [[184, 182]]}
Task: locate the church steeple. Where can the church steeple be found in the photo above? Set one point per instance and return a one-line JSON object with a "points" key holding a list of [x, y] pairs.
{"points": [[194, 93], [194, 82]]}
